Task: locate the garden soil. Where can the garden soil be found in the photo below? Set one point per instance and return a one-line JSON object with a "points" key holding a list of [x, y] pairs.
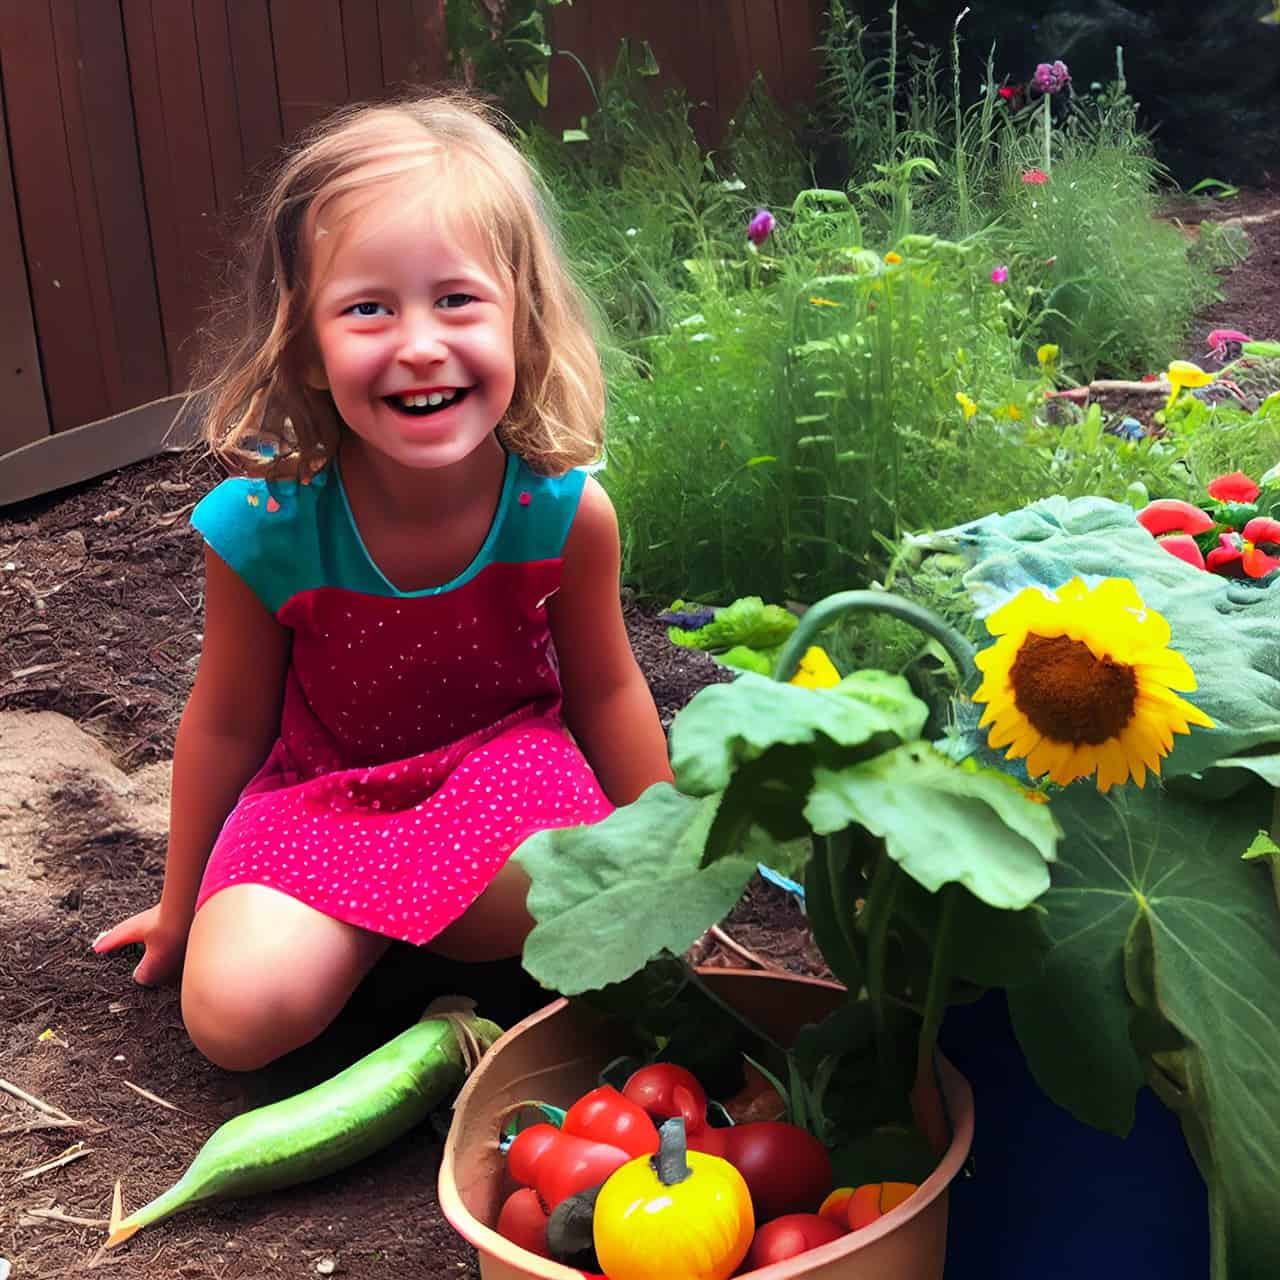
{"points": [[100, 617]]}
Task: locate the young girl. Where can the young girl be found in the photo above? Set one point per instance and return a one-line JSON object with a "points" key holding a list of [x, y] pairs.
{"points": [[405, 591]]}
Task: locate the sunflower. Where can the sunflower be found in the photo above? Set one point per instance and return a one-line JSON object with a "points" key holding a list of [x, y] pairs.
{"points": [[1081, 680]]}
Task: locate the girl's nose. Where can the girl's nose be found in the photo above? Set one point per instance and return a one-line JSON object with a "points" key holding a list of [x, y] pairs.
{"points": [[422, 340]]}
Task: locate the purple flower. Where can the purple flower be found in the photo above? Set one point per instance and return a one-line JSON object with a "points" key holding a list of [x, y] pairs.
{"points": [[1051, 78], [759, 227], [999, 275]]}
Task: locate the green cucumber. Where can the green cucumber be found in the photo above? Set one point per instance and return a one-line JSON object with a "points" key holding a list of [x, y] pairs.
{"points": [[328, 1127]]}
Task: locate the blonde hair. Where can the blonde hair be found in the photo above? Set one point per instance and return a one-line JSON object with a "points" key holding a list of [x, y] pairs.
{"points": [[261, 414]]}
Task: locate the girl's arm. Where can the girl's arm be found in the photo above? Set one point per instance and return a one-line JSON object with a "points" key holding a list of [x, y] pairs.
{"points": [[231, 720], [607, 704]]}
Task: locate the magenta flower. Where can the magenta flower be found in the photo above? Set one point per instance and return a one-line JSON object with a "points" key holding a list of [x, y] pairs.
{"points": [[1051, 78], [1035, 177], [999, 275], [759, 227]]}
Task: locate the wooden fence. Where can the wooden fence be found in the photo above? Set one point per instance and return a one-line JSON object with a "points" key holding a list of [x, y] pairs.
{"points": [[130, 130]]}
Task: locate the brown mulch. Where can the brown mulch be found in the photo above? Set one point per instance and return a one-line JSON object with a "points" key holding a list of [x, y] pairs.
{"points": [[100, 617]]}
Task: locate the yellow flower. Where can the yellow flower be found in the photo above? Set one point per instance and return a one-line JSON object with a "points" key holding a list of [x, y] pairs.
{"points": [[1047, 354], [1012, 412], [893, 258], [1183, 374], [1081, 681], [815, 670], [966, 404], [823, 302]]}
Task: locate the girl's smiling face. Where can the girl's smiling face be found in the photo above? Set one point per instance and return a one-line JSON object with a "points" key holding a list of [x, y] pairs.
{"points": [[412, 324]]}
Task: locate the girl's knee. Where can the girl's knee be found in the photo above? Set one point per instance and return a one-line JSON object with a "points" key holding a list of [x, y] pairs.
{"points": [[241, 1023]]}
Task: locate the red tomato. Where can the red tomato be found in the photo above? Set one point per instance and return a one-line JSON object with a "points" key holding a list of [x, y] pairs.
{"points": [[786, 1168], [524, 1222], [789, 1235], [665, 1090], [605, 1115], [558, 1164]]}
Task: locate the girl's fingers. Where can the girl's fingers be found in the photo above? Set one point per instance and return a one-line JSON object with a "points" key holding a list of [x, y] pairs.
{"points": [[123, 933]]}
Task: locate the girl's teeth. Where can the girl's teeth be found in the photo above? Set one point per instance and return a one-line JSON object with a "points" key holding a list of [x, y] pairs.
{"points": [[424, 400]]}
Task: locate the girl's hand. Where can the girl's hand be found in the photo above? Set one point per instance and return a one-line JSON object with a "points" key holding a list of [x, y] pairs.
{"points": [[164, 946]]}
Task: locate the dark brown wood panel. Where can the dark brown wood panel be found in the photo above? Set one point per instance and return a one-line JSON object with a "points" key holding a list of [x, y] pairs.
{"points": [[431, 49], [362, 49], [254, 67], [177, 167], [222, 115], [764, 53], [25, 417], [397, 37], [311, 68], [733, 58], [66, 36], [75, 383], [569, 96], [110, 155]]}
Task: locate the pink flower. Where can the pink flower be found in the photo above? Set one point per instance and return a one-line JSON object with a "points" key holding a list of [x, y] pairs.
{"points": [[999, 275], [759, 227], [1051, 78], [1225, 342], [1035, 177]]}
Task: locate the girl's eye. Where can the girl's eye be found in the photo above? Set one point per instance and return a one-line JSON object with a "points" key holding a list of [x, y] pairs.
{"points": [[365, 309], [453, 300]]}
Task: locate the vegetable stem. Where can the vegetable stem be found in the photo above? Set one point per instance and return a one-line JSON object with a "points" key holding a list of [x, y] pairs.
{"points": [[827, 610], [878, 911], [935, 1001]]}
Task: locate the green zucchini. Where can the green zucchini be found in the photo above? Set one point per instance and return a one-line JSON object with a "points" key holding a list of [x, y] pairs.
{"points": [[336, 1123]]}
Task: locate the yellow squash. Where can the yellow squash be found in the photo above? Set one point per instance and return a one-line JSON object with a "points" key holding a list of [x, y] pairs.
{"points": [[679, 1215]]}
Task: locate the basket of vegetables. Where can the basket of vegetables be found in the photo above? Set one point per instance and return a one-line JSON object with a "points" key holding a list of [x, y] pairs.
{"points": [[559, 1199]]}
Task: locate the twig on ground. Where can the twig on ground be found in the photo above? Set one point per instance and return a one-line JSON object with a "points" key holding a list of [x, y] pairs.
{"points": [[75, 1152], [738, 949], [45, 1108], [57, 1215], [154, 1097]]}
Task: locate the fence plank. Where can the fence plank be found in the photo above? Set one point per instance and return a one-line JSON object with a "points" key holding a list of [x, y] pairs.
{"points": [[362, 49], [110, 155], [26, 417], [254, 67], [76, 385], [177, 167], [310, 65], [221, 108]]}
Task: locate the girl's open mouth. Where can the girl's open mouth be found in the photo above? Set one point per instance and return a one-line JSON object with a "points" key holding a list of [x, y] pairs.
{"points": [[422, 404]]}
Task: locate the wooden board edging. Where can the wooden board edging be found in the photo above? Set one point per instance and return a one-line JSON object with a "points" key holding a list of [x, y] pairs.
{"points": [[81, 453]]}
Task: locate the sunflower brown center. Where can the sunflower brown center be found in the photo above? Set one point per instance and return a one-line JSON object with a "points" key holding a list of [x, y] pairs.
{"points": [[1069, 695]]}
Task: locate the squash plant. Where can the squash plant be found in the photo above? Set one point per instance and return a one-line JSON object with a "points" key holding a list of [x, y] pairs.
{"points": [[921, 874]]}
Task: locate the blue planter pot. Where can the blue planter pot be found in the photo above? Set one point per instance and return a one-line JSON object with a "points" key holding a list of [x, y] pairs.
{"points": [[1053, 1199]]}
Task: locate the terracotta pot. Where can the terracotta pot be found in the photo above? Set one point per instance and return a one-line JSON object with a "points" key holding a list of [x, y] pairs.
{"points": [[555, 1055]]}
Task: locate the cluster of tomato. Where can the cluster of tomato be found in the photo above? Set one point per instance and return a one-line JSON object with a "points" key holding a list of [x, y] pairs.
{"points": [[786, 1170]]}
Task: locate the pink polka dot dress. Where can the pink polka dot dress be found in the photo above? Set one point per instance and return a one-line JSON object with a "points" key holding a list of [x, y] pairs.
{"points": [[420, 740]]}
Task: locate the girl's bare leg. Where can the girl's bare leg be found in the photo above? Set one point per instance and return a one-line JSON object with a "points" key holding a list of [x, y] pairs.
{"points": [[265, 973], [494, 926]]}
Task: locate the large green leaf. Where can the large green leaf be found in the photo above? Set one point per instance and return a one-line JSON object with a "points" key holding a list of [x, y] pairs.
{"points": [[727, 725], [1225, 629], [1157, 923], [943, 823], [609, 897]]}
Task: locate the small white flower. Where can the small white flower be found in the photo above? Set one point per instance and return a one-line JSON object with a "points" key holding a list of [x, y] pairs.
{"points": [[633, 231]]}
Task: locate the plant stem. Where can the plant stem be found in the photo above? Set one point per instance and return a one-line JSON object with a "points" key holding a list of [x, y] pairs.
{"points": [[1048, 129], [878, 911], [777, 1055], [935, 1001], [827, 610]]}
